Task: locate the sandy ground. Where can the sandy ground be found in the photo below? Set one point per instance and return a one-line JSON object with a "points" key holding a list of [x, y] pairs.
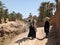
{"points": [[21, 39]]}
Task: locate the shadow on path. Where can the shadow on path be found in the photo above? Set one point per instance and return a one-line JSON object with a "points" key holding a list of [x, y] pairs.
{"points": [[21, 40], [41, 39], [26, 38]]}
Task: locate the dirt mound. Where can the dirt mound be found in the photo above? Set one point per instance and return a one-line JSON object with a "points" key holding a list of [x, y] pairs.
{"points": [[10, 30]]}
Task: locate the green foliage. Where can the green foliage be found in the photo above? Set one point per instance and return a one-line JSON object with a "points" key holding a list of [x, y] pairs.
{"points": [[14, 16], [45, 10], [2, 11], [1, 5], [4, 14], [56, 1], [19, 16]]}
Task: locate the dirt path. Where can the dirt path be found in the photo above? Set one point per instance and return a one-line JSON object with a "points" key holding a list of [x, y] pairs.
{"points": [[21, 40]]}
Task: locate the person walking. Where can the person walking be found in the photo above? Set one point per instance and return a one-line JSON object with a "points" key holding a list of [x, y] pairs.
{"points": [[46, 28], [32, 27]]}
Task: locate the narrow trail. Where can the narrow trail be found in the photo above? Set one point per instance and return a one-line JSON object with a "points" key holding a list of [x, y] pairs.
{"points": [[21, 39]]}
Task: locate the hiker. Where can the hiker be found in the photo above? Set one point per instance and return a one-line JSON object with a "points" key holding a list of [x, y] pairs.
{"points": [[46, 28], [32, 27]]}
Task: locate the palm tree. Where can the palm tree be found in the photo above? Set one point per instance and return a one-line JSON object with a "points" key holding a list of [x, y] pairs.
{"points": [[56, 1], [18, 16], [45, 10], [1, 10], [1, 6], [12, 16]]}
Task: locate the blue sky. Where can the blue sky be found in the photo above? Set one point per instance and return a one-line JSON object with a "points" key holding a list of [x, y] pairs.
{"points": [[24, 6]]}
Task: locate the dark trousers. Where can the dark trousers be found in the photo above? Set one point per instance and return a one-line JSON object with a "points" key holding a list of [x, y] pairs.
{"points": [[47, 31], [32, 32]]}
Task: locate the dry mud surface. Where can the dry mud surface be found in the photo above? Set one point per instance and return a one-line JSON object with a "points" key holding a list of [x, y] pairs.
{"points": [[21, 39]]}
